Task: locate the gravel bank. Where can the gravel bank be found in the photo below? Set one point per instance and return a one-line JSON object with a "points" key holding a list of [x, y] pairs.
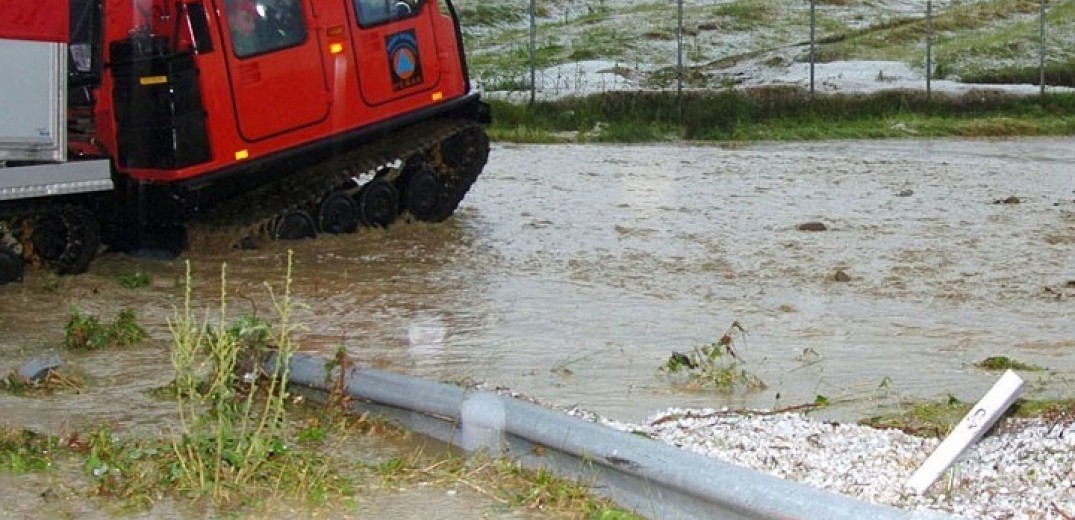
{"points": [[1025, 469]]}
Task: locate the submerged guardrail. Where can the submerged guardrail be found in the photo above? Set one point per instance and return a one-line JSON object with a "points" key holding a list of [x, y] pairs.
{"points": [[653, 479]]}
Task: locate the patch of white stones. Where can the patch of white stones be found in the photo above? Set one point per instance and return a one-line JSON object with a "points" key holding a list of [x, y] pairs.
{"points": [[1024, 471]]}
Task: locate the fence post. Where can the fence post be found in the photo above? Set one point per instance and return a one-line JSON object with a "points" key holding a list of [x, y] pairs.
{"points": [[679, 60], [929, 48], [813, 35], [1041, 50], [533, 50]]}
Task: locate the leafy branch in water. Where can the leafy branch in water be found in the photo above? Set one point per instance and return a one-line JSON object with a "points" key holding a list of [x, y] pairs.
{"points": [[716, 365]]}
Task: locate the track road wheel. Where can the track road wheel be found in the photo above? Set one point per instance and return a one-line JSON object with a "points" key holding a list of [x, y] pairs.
{"points": [[294, 225], [337, 214], [378, 203], [421, 193], [66, 240], [10, 266]]}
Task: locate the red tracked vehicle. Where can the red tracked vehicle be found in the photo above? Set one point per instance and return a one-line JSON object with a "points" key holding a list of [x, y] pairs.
{"points": [[170, 124]]}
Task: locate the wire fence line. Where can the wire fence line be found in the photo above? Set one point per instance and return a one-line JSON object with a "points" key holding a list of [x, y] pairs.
{"points": [[579, 47]]}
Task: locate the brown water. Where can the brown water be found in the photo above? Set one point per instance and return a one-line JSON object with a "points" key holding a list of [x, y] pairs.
{"points": [[570, 273]]}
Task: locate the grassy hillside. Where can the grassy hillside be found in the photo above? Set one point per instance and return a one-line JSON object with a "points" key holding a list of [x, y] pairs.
{"points": [[732, 42]]}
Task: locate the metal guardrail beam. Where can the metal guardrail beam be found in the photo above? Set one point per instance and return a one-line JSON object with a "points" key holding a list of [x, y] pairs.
{"points": [[653, 479]]}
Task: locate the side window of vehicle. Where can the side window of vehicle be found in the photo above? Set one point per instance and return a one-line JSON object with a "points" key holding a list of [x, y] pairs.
{"points": [[373, 12], [260, 26]]}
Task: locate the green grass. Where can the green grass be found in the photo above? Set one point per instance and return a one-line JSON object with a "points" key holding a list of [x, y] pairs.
{"points": [[937, 417], [22, 450], [782, 113], [744, 15], [922, 418], [1005, 363], [1057, 74], [502, 480], [486, 14], [135, 280]]}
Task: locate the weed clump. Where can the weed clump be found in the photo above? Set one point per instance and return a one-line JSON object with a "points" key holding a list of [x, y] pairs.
{"points": [[1005, 363], [716, 365], [235, 444], [86, 332], [135, 280], [231, 392], [22, 450]]}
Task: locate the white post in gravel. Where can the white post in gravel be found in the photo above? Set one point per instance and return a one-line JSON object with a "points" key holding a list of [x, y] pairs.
{"points": [[968, 431]]}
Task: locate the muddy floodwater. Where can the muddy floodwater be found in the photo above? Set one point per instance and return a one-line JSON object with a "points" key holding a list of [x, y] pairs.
{"points": [[572, 272]]}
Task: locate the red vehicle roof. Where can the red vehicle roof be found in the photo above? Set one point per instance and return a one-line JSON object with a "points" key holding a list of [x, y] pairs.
{"points": [[43, 20]]}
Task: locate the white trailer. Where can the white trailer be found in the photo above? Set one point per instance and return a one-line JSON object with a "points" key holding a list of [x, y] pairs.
{"points": [[33, 105], [33, 131], [35, 165]]}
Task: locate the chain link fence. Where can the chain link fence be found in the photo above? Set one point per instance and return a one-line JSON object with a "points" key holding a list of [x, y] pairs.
{"points": [[532, 48]]}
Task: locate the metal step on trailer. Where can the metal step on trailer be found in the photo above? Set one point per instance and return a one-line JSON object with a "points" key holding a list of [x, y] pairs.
{"points": [[49, 179]]}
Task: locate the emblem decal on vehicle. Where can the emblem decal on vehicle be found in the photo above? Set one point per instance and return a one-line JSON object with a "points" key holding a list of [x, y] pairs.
{"points": [[403, 59]]}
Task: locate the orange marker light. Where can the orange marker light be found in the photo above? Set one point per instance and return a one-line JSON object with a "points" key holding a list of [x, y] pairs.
{"points": [[242, 154], [335, 48], [437, 96]]}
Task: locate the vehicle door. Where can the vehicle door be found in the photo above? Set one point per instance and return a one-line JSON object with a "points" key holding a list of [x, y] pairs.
{"points": [[395, 48], [275, 68]]}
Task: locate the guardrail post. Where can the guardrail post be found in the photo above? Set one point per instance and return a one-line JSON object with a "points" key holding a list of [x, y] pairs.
{"points": [[968, 431]]}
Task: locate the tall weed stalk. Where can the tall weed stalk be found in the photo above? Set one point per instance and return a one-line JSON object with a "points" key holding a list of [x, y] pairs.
{"points": [[232, 413]]}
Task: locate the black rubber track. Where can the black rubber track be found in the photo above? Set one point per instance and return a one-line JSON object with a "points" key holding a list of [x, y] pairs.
{"points": [[67, 239], [10, 266], [252, 218]]}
